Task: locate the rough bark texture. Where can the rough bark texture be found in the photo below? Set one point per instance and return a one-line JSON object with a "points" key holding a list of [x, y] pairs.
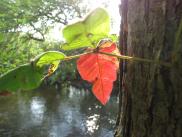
{"points": [[151, 104]]}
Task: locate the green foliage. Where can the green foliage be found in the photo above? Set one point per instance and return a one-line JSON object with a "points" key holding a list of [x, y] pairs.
{"points": [[18, 13], [88, 32], [25, 77], [24, 28], [48, 58], [71, 32], [78, 42], [97, 22], [29, 76], [16, 49]]}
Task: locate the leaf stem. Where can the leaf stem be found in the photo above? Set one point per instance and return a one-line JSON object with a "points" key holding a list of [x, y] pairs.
{"points": [[137, 59], [129, 58], [76, 56]]}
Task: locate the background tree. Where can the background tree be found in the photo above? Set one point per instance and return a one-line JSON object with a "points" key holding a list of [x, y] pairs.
{"points": [[151, 104], [25, 27]]}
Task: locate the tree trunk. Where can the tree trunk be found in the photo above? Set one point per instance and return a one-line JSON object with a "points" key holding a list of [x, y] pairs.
{"points": [[151, 102]]}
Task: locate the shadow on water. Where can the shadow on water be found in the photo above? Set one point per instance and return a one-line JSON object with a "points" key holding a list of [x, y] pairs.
{"points": [[69, 112]]}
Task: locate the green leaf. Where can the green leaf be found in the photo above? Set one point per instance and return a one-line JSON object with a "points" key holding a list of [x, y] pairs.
{"points": [[49, 57], [25, 77], [89, 41], [79, 42], [85, 33], [98, 22], [96, 38], [71, 32], [113, 37]]}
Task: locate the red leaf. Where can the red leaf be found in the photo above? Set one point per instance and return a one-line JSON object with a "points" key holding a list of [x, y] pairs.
{"points": [[100, 70]]}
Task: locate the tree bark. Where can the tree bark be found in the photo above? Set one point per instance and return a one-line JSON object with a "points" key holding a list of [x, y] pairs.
{"points": [[151, 102]]}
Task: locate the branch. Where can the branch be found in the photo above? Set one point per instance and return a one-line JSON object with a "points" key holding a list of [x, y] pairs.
{"points": [[129, 58], [34, 38], [37, 30]]}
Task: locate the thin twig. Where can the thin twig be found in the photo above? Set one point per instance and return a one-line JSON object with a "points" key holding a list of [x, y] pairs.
{"points": [[129, 58], [137, 59]]}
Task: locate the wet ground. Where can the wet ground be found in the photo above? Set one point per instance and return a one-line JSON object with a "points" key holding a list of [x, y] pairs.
{"points": [[69, 112]]}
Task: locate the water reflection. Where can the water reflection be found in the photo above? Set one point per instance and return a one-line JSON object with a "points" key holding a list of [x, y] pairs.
{"points": [[92, 124], [49, 113], [37, 107]]}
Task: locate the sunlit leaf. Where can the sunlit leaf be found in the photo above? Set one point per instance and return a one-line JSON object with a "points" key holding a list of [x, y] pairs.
{"points": [[88, 32], [96, 38], [113, 37], [98, 22], [25, 77], [100, 70], [49, 57], [71, 32], [79, 42]]}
